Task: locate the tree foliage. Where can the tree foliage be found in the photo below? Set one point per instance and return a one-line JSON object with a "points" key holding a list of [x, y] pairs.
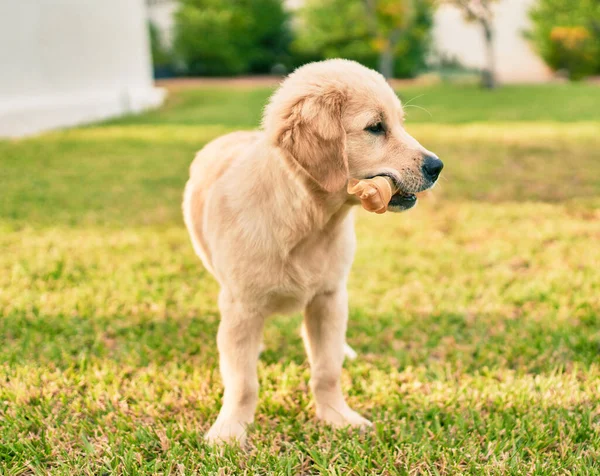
{"points": [[363, 30], [566, 33], [221, 37]]}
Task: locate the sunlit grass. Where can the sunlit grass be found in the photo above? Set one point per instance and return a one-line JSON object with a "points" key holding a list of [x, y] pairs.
{"points": [[476, 316]]}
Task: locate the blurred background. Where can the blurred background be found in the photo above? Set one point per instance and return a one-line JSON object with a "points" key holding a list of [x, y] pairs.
{"points": [[66, 61], [476, 316]]}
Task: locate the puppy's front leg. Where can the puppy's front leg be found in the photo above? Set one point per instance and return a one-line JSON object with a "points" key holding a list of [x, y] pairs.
{"points": [[238, 339], [324, 333]]}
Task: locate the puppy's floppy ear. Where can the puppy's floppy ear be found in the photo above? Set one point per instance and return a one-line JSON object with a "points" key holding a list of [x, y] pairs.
{"points": [[311, 131]]}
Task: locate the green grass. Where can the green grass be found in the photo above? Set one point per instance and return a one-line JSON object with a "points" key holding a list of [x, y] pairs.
{"points": [[448, 104], [476, 316]]}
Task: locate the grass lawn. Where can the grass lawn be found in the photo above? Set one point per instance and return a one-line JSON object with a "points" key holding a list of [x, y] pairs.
{"points": [[476, 316]]}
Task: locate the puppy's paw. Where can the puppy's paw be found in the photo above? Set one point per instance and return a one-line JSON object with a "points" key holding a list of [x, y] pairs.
{"points": [[341, 418], [349, 352], [229, 432]]}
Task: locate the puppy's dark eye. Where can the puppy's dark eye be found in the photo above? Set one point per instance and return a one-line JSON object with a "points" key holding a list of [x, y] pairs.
{"points": [[376, 128]]}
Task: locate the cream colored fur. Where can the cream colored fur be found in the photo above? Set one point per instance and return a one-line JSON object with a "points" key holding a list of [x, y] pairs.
{"points": [[268, 214]]}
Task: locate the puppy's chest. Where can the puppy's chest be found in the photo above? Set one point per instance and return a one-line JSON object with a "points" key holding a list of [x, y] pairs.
{"points": [[299, 280], [316, 265], [284, 270]]}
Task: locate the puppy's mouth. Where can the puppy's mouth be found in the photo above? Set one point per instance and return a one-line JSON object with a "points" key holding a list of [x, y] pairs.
{"points": [[401, 200]]}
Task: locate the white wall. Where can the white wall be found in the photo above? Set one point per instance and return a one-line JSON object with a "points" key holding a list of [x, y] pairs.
{"points": [[515, 60], [67, 62]]}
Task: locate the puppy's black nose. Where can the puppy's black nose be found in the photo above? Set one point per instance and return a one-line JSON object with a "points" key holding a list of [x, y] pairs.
{"points": [[432, 166]]}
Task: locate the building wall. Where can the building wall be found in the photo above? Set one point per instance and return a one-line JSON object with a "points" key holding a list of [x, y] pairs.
{"points": [[515, 60], [67, 62]]}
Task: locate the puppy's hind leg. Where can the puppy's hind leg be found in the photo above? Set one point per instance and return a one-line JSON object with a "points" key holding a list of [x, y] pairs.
{"points": [[324, 334], [239, 340], [349, 352]]}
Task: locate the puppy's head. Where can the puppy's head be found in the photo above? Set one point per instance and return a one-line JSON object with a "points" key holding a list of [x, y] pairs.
{"points": [[339, 119]]}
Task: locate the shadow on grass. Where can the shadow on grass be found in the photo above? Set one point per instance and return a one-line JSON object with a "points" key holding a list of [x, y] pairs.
{"points": [[436, 342]]}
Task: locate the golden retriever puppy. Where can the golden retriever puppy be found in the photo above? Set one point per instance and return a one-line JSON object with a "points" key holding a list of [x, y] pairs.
{"points": [[269, 215]]}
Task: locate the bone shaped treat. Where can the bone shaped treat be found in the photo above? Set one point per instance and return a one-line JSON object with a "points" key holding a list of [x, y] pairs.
{"points": [[374, 193]]}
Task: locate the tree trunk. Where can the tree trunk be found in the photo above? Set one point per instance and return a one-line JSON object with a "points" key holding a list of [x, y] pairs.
{"points": [[388, 54], [386, 62], [488, 76]]}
